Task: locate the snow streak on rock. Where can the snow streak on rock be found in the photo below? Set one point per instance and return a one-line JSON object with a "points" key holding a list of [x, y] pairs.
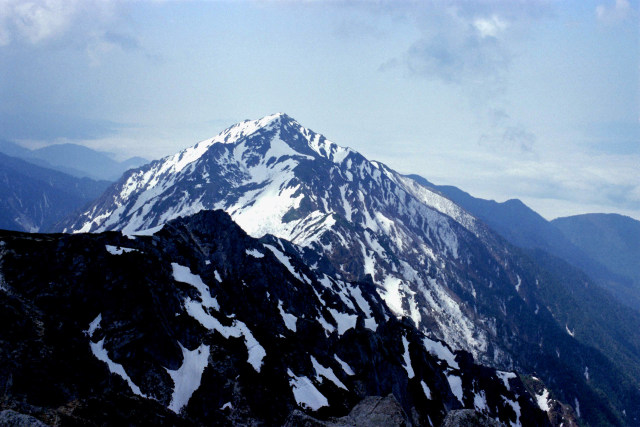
{"points": [[305, 393], [186, 379]]}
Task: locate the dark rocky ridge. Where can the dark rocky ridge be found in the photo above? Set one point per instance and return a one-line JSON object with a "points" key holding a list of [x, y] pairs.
{"points": [[55, 286]]}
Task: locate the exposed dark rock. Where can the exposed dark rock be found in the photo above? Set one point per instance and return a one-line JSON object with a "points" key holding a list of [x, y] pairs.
{"points": [[378, 411], [372, 411], [9, 418], [469, 418]]}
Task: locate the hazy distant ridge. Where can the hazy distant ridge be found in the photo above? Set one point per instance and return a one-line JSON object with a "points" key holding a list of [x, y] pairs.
{"points": [[73, 159]]}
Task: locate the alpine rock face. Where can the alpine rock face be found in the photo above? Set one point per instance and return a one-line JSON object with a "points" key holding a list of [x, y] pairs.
{"points": [[200, 324], [358, 220]]}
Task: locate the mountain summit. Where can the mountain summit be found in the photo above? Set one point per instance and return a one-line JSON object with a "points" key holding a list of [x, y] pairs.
{"points": [[256, 157], [428, 259]]}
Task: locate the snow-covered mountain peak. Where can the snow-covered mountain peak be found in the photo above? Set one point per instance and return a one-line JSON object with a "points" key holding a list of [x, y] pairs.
{"points": [[232, 135], [274, 176], [298, 137], [248, 127], [268, 139]]}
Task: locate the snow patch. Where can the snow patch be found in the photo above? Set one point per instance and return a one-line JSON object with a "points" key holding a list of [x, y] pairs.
{"points": [[345, 367], [305, 393], [439, 350], [426, 390], [480, 402], [237, 329], [93, 326], [186, 378], [343, 320], [569, 331], [407, 358], [327, 373], [119, 250], [391, 295], [328, 327], [543, 400], [505, 376], [101, 354], [369, 321], [516, 409], [289, 319], [255, 253], [183, 274], [146, 232], [455, 383], [285, 261], [371, 324]]}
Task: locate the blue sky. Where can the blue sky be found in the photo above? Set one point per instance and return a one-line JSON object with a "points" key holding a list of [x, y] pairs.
{"points": [[537, 100]]}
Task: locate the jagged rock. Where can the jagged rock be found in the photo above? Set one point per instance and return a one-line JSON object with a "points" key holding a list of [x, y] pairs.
{"points": [[469, 418], [372, 411], [378, 411], [9, 418], [299, 419]]}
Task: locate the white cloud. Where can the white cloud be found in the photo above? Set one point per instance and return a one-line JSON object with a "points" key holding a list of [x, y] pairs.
{"points": [[490, 27], [470, 43], [617, 12], [470, 46], [39, 21], [461, 47], [35, 21]]}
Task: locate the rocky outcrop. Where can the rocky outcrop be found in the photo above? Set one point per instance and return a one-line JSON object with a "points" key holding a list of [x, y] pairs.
{"points": [[372, 411], [9, 418], [469, 418]]}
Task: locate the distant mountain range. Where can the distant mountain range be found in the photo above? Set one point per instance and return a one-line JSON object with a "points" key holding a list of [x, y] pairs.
{"points": [[613, 240], [432, 260], [33, 198], [605, 246], [73, 159]]}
